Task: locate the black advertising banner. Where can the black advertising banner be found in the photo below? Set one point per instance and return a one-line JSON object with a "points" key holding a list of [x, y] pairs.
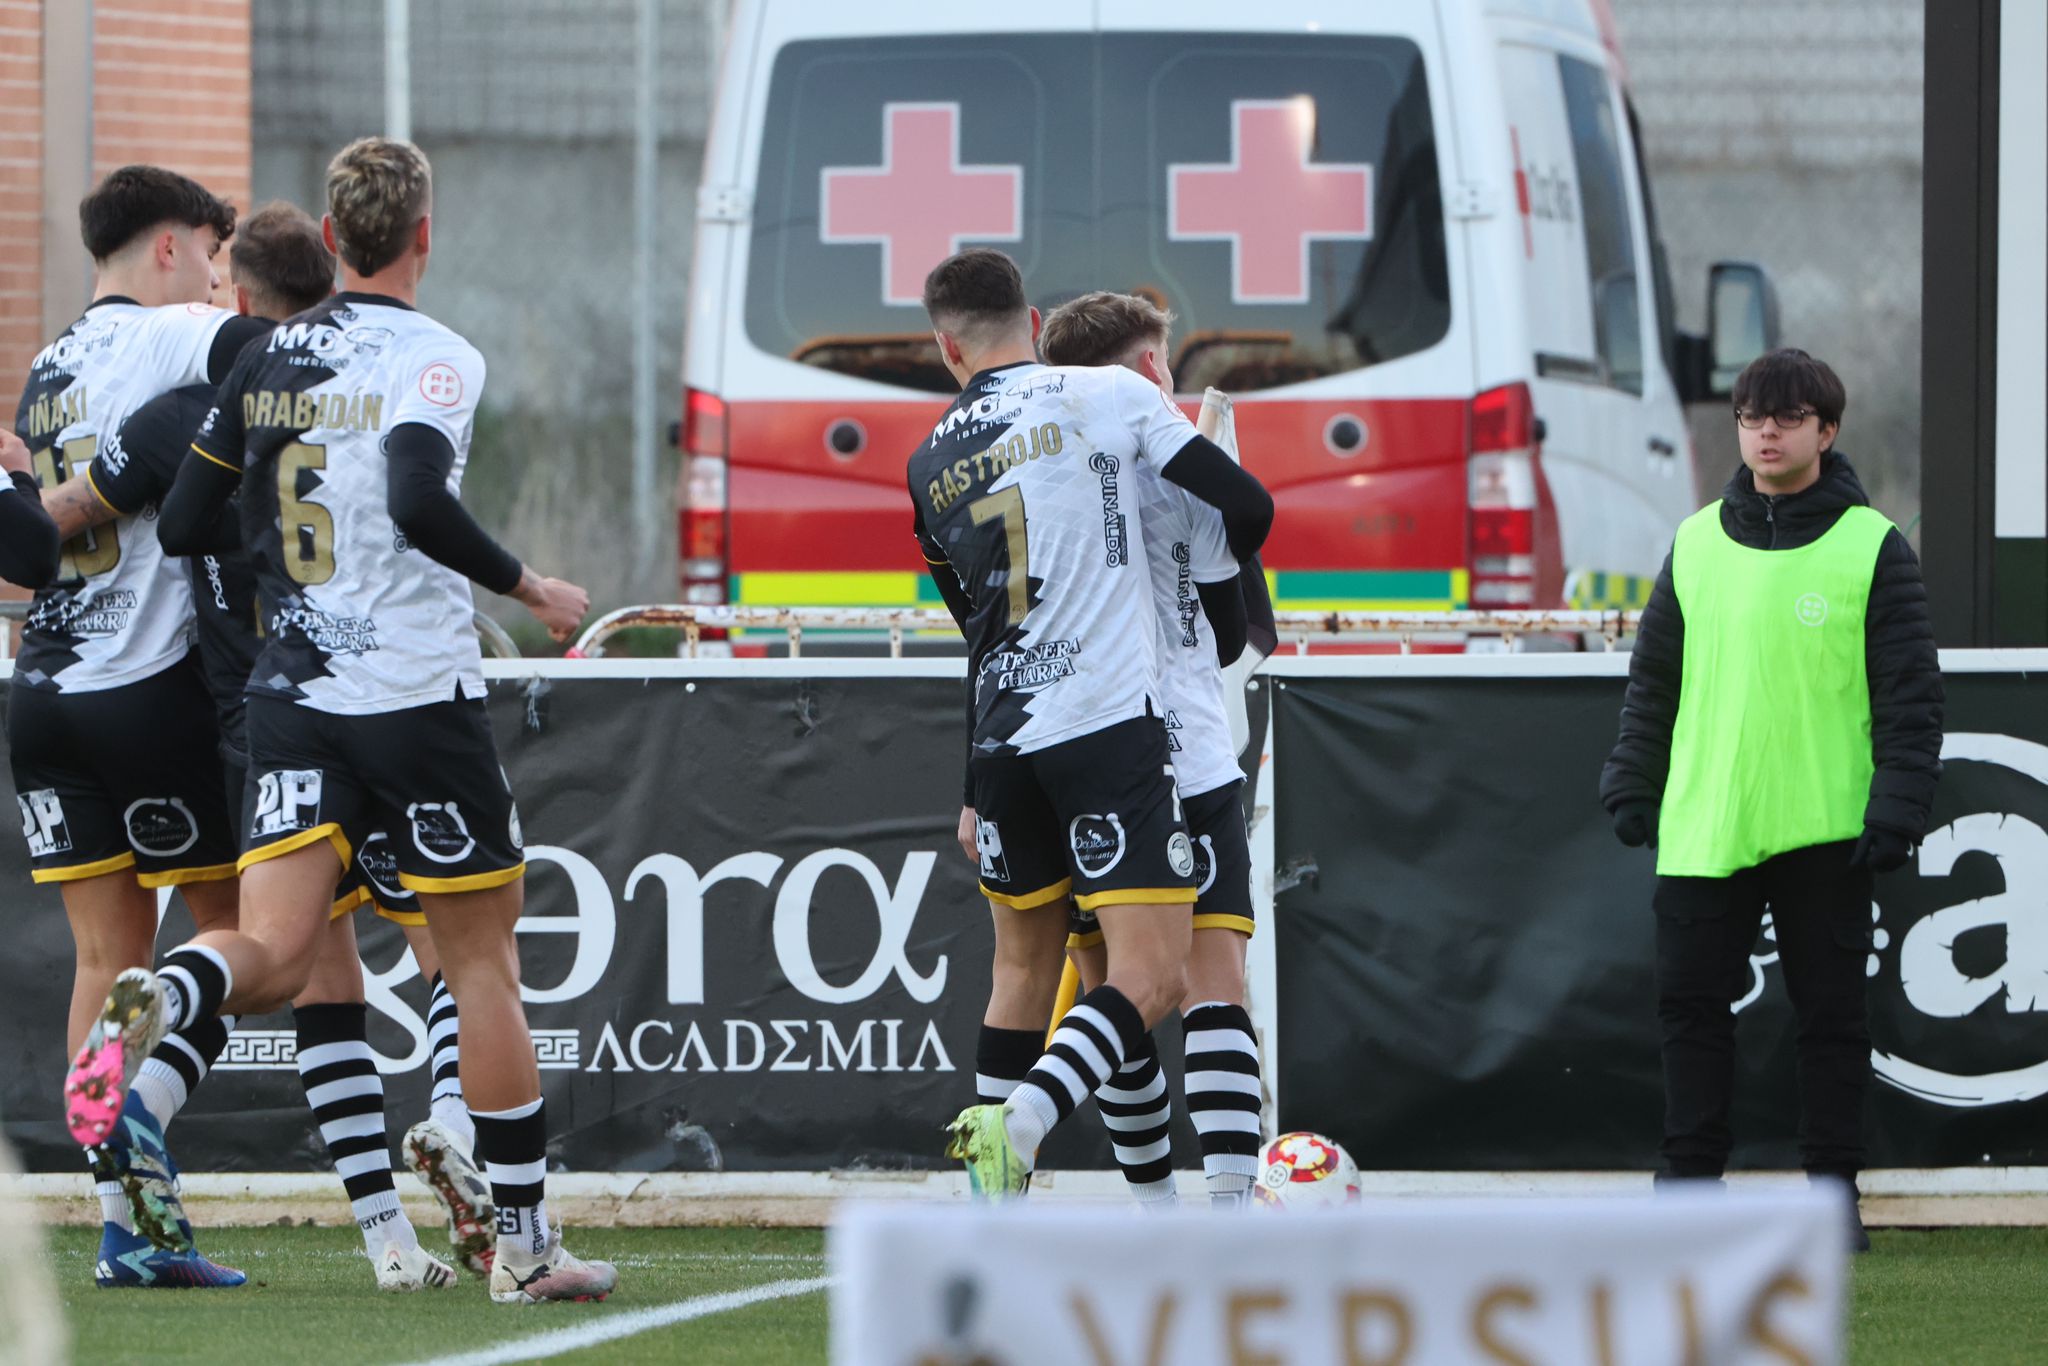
{"points": [[1464, 950], [751, 942]]}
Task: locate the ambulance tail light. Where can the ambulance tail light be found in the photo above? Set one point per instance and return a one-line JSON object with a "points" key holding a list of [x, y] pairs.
{"points": [[1506, 499], [701, 519]]}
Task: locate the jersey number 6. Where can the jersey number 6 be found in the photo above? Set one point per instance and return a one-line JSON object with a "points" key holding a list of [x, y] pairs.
{"points": [[307, 528], [1009, 506]]}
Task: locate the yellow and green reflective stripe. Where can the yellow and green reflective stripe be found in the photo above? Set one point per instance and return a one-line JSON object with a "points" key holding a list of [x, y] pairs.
{"points": [[1320, 590], [1598, 591]]}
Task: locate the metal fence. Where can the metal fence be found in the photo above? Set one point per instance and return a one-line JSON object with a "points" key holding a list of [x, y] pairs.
{"points": [[1790, 132], [529, 111]]}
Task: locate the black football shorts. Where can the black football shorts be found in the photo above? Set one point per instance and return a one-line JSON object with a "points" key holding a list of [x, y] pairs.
{"points": [[427, 777], [1223, 868], [126, 777], [1096, 816], [371, 878]]}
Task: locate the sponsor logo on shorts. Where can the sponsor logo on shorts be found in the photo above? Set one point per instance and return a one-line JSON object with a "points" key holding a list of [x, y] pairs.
{"points": [[287, 800], [1205, 866], [161, 826], [514, 830], [42, 823], [1097, 842], [1180, 854], [989, 841], [380, 869], [439, 832]]}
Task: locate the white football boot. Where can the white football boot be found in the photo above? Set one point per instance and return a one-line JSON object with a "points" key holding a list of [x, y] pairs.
{"points": [[436, 1156], [557, 1276], [403, 1270]]}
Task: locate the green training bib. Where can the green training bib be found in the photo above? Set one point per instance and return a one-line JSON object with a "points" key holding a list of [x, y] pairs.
{"points": [[1771, 750]]}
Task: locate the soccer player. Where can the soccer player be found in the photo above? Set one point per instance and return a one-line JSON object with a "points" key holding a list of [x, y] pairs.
{"points": [[280, 267], [1198, 593], [348, 432], [1026, 502], [110, 743]]}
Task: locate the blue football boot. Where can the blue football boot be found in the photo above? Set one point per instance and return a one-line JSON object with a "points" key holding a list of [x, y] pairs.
{"points": [[161, 1251], [130, 1261]]}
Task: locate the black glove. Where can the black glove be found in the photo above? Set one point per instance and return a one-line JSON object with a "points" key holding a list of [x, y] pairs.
{"points": [[1880, 850], [1635, 824]]}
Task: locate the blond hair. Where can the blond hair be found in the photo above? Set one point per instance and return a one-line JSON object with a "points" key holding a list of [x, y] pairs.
{"points": [[1102, 328], [377, 190]]}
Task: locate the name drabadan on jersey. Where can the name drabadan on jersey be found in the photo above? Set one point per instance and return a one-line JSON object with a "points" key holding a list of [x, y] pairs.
{"points": [[358, 621], [119, 610], [1031, 487]]}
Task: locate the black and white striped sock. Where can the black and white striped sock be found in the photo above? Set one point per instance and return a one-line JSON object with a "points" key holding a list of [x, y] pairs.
{"points": [[1002, 1059], [172, 1073], [1136, 1110], [194, 981], [1086, 1050], [1222, 1084], [513, 1147], [339, 1073], [445, 1103]]}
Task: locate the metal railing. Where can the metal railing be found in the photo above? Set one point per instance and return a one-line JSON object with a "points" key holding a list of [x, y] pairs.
{"points": [[1296, 627], [497, 644]]}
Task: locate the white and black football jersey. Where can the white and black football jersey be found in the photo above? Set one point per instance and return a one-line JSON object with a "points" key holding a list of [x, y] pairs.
{"points": [[120, 610], [1030, 488], [1187, 547], [357, 620]]}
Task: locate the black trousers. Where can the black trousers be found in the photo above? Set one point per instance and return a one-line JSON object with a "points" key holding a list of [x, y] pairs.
{"points": [[1706, 927]]}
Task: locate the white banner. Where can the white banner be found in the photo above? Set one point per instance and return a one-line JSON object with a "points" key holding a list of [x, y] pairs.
{"points": [[1702, 1279]]}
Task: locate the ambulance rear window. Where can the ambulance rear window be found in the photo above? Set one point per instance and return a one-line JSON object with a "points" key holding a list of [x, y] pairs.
{"points": [[1279, 194]]}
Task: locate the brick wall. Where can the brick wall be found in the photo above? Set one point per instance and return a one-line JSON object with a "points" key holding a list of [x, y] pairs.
{"points": [[21, 188], [170, 86]]}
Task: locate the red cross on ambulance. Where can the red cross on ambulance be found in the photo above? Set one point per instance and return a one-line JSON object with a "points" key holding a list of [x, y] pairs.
{"points": [[920, 204], [1269, 201]]}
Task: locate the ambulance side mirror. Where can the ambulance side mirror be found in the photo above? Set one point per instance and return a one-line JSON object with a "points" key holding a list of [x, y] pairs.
{"points": [[1742, 320], [1742, 324]]}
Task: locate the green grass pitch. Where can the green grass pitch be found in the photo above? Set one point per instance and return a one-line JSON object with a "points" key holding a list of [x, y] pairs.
{"points": [[1962, 1296]]}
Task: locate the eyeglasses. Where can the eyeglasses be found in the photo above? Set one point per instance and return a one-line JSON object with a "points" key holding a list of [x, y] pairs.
{"points": [[1784, 417]]}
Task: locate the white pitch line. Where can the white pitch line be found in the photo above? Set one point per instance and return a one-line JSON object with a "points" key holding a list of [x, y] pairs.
{"points": [[611, 1329]]}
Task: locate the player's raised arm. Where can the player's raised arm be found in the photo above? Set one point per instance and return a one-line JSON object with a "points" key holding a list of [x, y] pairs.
{"points": [[29, 544]]}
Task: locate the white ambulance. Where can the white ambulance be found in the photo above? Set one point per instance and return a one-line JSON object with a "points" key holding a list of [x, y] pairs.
{"points": [[1413, 238]]}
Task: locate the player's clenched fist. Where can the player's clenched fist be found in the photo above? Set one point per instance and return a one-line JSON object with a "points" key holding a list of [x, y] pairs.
{"points": [[556, 603], [13, 454]]}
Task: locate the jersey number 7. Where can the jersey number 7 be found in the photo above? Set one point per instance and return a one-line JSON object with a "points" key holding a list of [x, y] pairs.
{"points": [[1008, 506]]}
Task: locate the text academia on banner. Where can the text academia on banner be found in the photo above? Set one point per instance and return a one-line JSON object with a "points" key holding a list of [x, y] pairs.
{"points": [[1701, 1278]]}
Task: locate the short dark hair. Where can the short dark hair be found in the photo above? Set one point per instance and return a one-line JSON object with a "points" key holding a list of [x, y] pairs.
{"points": [[281, 257], [1787, 378], [1101, 328], [134, 199], [378, 189], [979, 287]]}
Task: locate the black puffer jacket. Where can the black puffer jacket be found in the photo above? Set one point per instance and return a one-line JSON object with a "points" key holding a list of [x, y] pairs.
{"points": [[1898, 653]]}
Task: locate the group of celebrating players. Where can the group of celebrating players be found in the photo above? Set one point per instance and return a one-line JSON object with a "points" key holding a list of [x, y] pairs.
{"points": [[1100, 555], [251, 672]]}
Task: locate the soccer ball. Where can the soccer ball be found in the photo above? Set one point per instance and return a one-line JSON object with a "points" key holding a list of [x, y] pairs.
{"points": [[1305, 1171]]}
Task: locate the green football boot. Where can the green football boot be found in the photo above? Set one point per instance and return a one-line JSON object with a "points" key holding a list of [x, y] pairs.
{"points": [[995, 1170]]}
